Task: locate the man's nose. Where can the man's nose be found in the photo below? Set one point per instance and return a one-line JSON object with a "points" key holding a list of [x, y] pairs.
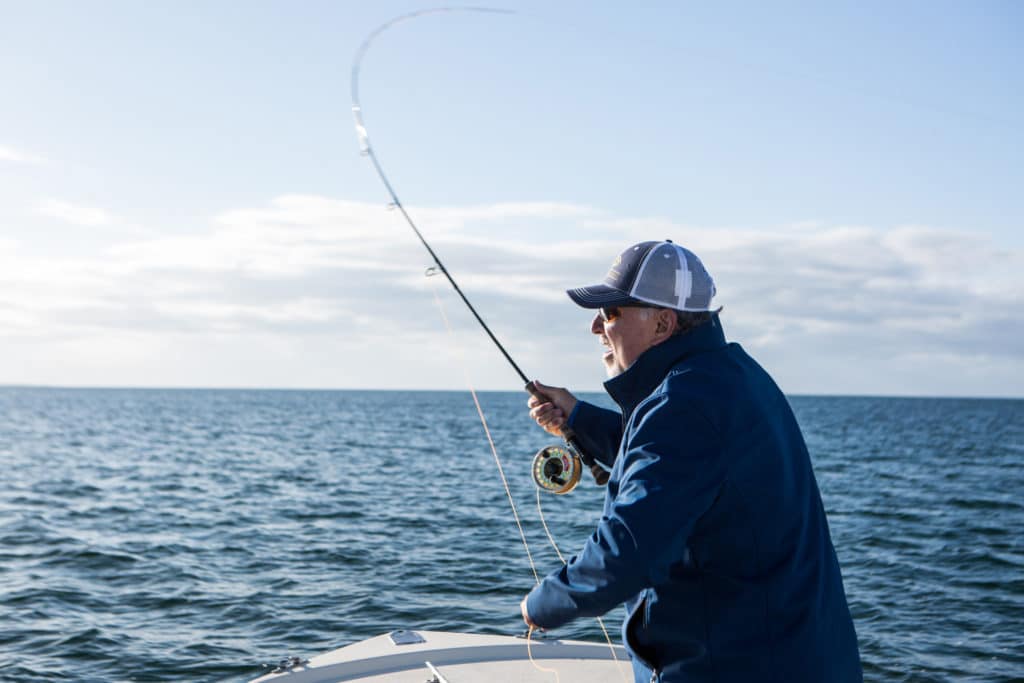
{"points": [[597, 324]]}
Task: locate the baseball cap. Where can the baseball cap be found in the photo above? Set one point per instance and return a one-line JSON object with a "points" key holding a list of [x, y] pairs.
{"points": [[659, 273]]}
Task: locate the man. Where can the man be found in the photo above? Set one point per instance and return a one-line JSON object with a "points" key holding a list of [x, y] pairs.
{"points": [[713, 532]]}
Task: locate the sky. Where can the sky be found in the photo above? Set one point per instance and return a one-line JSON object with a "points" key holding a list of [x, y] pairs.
{"points": [[183, 202]]}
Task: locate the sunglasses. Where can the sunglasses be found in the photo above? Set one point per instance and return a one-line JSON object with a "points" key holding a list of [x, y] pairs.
{"points": [[613, 313]]}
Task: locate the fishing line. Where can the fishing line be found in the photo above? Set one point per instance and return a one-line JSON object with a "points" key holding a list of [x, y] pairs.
{"points": [[536, 665], [550, 466], [515, 513], [540, 513], [512, 504], [508, 491], [366, 149], [490, 440], [600, 621]]}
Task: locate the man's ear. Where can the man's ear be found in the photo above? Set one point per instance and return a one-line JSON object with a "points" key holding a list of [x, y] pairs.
{"points": [[666, 324]]}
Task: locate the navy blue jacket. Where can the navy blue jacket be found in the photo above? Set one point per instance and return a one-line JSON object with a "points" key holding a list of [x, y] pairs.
{"points": [[713, 532]]}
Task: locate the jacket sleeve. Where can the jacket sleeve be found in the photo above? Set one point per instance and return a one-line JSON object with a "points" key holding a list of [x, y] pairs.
{"points": [[598, 431], [670, 474]]}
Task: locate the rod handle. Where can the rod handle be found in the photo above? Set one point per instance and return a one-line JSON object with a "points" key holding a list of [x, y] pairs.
{"points": [[600, 474]]}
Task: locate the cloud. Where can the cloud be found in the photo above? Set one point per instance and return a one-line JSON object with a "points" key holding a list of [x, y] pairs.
{"points": [[19, 157], [85, 216], [828, 308]]}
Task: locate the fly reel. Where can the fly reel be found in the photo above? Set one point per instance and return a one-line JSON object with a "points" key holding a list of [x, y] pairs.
{"points": [[557, 469]]}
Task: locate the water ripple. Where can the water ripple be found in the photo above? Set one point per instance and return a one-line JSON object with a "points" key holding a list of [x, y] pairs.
{"points": [[195, 535]]}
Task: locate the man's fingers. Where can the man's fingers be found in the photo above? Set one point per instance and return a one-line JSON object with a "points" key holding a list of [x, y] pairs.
{"points": [[526, 614], [546, 414], [540, 411], [550, 408]]}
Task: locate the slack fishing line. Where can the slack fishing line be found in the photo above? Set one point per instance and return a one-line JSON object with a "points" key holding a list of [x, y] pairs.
{"points": [[515, 513], [556, 469]]}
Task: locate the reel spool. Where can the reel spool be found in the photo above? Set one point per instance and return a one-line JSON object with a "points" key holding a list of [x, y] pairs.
{"points": [[557, 469]]}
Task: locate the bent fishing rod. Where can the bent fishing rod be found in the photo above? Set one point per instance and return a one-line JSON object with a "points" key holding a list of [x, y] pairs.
{"points": [[553, 468]]}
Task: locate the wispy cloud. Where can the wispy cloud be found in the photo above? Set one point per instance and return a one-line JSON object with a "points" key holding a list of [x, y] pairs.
{"points": [[871, 301], [16, 156], [76, 214]]}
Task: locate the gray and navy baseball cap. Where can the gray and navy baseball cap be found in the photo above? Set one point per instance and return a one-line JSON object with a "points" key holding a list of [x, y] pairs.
{"points": [[659, 273]]}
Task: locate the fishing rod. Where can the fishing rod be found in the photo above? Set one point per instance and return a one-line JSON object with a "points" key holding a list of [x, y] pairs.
{"points": [[555, 469]]}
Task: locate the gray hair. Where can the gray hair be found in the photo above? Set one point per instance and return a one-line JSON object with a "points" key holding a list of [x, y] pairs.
{"points": [[689, 320], [685, 320]]}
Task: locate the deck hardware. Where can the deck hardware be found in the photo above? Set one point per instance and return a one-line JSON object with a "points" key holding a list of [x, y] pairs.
{"points": [[437, 678], [403, 637], [289, 664]]}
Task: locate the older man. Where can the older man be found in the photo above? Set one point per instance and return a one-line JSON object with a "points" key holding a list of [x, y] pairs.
{"points": [[713, 532]]}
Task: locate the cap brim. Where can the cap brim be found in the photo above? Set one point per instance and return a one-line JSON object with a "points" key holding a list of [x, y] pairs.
{"points": [[598, 296]]}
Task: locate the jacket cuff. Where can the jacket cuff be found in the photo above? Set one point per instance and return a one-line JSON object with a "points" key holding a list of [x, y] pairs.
{"points": [[571, 420], [597, 430], [549, 607]]}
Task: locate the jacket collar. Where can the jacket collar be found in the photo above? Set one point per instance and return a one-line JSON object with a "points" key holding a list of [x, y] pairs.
{"points": [[638, 380]]}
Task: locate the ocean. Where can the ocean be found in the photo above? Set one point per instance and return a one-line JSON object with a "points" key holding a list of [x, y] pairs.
{"points": [[198, 535]]}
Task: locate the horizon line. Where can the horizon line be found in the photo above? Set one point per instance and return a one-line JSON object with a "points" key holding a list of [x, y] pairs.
{"points": [[460, 390]]}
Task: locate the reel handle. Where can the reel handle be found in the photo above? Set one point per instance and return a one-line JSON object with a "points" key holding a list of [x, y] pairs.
{"points": [[600, 474]]}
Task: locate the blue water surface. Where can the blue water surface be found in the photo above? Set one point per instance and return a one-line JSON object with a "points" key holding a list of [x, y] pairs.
{"points": [[153, 535]]}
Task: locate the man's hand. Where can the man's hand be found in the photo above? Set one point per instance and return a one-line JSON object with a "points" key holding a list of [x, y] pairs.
{"points": [[552, 412], [526, 615]]}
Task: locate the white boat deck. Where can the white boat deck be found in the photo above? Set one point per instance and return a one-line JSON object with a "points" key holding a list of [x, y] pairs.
{"points": [[461, 658]]}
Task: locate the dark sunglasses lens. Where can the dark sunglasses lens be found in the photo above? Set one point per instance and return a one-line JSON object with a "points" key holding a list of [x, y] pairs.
{"points": [[610, 313]]}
